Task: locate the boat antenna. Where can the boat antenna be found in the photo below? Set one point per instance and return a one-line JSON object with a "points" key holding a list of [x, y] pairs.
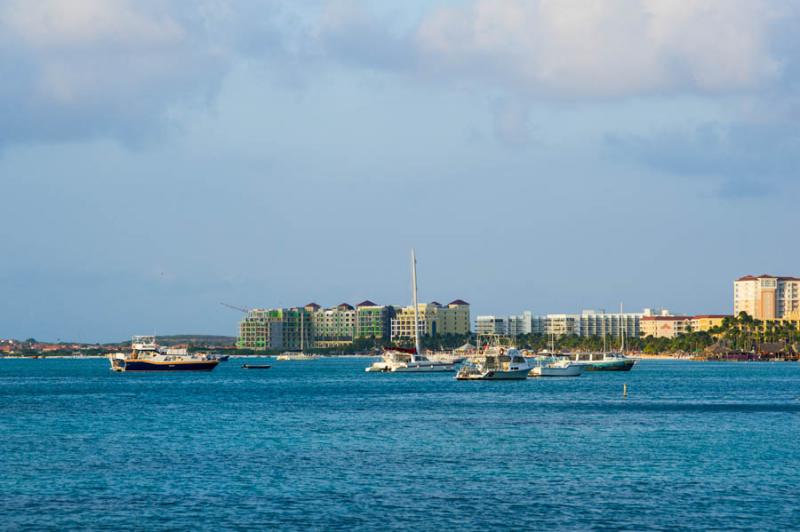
{"points": [[417, 342]]}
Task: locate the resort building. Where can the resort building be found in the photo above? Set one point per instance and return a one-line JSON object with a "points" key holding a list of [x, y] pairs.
{"points": [[766, 297], [522, 324], [278, 328], [706, 322], [434, 319], [600, 323], [491, 326], [665, 326], [372, 320], [333, 327]]}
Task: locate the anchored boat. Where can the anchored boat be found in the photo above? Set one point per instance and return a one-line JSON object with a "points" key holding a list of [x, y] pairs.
{"points": [[398, 360], [496, 364], [145, 355], [555, 367], [603, 361]]}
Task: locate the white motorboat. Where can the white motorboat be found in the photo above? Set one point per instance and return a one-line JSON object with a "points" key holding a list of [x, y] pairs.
{"points": [[555, 367], [398, 360], [496, 364]]}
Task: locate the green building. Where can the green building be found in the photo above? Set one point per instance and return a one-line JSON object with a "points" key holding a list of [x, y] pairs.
{"points": [[264, 329], [373, 321]]}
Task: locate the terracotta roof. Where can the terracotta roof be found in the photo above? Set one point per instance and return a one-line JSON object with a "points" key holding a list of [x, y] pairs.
{"points": [[436, 303], [367, 303], [313, 305], [767, 276], [665, 318], [345, 305], [712, 316], [458, 302]]}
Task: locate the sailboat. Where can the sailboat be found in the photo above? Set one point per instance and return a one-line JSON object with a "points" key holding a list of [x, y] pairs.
{"points": [[396, 360], [298, 355]]}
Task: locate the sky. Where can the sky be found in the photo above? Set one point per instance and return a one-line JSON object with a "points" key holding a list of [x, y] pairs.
{"points": [[158, 158]]}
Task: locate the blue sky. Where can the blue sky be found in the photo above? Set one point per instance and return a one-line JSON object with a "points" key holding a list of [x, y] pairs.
{"points": [[554, 156]]}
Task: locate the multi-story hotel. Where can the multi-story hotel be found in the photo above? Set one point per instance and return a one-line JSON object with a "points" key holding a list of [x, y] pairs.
{"points": [[587, 323], [275, 329], [434, 319], [333, 326], [706, 322], [372, 320], [665, 326], [767, 297]]}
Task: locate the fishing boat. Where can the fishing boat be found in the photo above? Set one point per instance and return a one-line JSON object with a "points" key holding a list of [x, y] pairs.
{"points": [[398, 360], [145, 355], [555, 367], [496, 364]]}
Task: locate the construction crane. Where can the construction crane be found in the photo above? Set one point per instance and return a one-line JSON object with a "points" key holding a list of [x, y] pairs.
{"points": [[240, 309]]}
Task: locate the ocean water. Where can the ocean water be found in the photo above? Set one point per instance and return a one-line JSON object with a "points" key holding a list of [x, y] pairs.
{"points": [[324, 445]]}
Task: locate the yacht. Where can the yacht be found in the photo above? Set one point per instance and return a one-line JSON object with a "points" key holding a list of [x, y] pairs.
{"points": [[555, 367], [606, 361], [603, 361], [397, 360], [145, 355], [496, 364]]}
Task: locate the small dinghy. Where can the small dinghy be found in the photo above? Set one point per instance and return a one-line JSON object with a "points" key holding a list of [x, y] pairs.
{"points": [[256, 366]]}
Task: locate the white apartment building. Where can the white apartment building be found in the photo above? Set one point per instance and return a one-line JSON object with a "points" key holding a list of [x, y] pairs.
{"points": [[767, 297], [491, 326], [587, 323]]}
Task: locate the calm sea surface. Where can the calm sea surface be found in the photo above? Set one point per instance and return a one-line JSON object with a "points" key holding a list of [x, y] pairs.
{"points": [[324, 445]]}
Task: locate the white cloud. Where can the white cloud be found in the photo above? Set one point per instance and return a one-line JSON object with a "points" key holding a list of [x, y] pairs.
{"points": [[604, 49], [76, 69]]}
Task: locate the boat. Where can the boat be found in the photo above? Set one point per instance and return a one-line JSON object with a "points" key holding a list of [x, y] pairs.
{"points": [[298, 355], [399, 360], [496, 364], [555, 367], [256, 366], [606, 361], [603, 361], [146, 355]]}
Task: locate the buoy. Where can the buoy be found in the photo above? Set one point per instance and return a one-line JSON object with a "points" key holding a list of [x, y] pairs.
{"points": [[625, 390]]}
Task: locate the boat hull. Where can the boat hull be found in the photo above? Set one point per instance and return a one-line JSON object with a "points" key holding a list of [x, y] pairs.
{"points": [[571, 371], [616, 365], [141, 365], [495, 375], [425, 368]]}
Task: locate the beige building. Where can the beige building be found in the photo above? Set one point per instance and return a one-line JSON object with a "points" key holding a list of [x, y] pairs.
{"points": [[707, 322], [766, 297], [664, 326], [434, 319]]}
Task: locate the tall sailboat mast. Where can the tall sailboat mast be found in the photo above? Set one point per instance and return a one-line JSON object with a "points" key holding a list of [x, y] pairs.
{"points": [[621, 329], [417, 343]]}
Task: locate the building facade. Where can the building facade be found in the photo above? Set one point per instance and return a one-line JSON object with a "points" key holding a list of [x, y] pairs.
{"points": [[333, 327], [665, 326], [373, 321], [434, 319], [280, 328], [766, 297]]}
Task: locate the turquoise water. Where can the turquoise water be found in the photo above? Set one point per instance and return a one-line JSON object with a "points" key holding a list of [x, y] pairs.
{"points": [[321, 444]]}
